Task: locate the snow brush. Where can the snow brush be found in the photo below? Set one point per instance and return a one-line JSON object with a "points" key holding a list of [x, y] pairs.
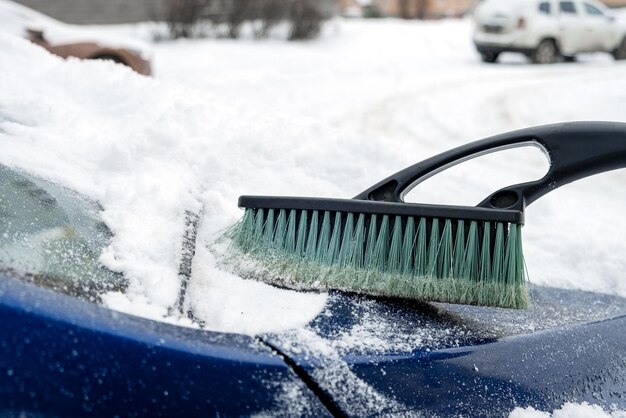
{"points": [[377, 244]]}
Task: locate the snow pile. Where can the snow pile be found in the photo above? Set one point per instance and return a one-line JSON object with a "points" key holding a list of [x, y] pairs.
{"points": [[568, 410]]}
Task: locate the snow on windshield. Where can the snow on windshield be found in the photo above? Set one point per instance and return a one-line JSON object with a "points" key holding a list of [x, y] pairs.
{"points": [[149, 151]]}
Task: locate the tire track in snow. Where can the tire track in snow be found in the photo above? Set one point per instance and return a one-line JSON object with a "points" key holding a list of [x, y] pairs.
{"points": [[497, 93]]}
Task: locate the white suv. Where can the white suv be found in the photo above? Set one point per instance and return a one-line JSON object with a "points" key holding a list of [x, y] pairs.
{"points": [[547, 30]]}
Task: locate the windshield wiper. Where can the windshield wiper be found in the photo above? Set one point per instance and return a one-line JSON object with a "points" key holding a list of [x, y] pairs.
{"points": [[188, 251]]}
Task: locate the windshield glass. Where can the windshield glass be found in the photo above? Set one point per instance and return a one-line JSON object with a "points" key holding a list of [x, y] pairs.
{"points": [[53, 237]]}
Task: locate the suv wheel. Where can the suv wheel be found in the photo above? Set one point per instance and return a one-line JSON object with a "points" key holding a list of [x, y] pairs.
{"points": [[490, 57], [619, 53], [546, 53]]}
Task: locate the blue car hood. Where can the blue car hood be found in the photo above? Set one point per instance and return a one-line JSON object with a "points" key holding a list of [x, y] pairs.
{"points": [[61, 356], [381, 356], [65, 357]]}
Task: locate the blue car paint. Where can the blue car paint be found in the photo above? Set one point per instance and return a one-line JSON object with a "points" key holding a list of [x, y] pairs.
{"points": [[585, 363], [60, 356], [467, 372]]}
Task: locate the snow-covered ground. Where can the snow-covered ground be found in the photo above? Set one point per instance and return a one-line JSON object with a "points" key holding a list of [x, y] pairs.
{"points": [[323, 118]]}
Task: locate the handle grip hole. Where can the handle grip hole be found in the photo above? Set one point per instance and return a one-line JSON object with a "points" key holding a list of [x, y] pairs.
{"points": [[471, 181], [504, 199]]}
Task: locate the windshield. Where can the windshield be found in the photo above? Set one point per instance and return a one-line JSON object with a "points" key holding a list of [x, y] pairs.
{"points": [[53, 237]]}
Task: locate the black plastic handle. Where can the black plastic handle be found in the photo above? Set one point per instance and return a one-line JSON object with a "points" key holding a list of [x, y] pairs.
{"points": [[575, 150]]}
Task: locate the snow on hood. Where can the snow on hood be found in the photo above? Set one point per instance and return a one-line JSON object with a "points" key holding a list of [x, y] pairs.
{"points": [[148, 151], [568, 410], [18, 19]]}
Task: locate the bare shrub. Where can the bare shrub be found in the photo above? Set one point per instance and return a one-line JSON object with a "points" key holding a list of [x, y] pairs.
{"points": [[239, 12], [269, 13], [182, 15], [306, 18], [372, 11], [413, 9]]}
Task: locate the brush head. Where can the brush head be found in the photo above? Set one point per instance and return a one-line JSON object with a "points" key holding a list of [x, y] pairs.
{"points": [[437, 253], [378, 244]]}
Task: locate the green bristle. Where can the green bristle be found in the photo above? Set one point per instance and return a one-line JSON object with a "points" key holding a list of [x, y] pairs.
{"points": [[520, 264], [382, 245], [258, 228], [372, 235], [444, 256], [347, 244], [324, 239], [512, 263], [433, 249], [244, 237], [301, 236], [311, 242], [470, 267], [514, 267], [520, 297], [407, 246], [485, 254], [290, 235], [459, 250], [420, 250], [335, 242], [519, 255], [356, 259], [268, 230], [484, 273], [281, 230], [498, 254], [401, 256], [394, 262]]}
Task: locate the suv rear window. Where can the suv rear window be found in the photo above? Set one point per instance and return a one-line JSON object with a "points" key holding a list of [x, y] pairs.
{"points": [[567, 7], [544, 7]]}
